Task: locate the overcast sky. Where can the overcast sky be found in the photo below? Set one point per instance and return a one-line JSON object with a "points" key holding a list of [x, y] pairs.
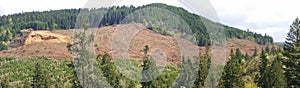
{"points": [[262, 16]]}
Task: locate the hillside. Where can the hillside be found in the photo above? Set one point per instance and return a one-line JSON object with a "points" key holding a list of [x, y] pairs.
{"points": [[56, 20], [54, 44], [66, 19]]}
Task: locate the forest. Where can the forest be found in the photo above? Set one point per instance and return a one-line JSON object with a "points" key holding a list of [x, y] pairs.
{"points": [[275, 66]]}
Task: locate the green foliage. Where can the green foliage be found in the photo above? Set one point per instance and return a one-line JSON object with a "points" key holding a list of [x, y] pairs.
{"points": [[3, 46], [291, 51], [274, 76], [232, 75], [74, 78], [146, 49], [52, 72], [86, 65], [5, 82], [255, 52], [273, 50], [262, 68], [110, 71], [187, 73], [40, 78], [204, 66], [5, 36], [251, 85], [166, 79], [149, 72]]}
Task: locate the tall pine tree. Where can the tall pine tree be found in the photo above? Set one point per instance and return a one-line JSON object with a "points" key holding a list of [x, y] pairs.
{"points": [[110, 71], [37, 77], [274, 76], [291, 51], [262, 67], [40, 78], [232, 75], [204, 65], [255, 52]]}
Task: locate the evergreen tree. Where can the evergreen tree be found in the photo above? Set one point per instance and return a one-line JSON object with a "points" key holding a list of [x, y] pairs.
{"points": [[291, 51], [3, 46], [238, 53], [150, 71], [232, 75], [262, 67], [203, 69], [146, 49], [110, 71], [40, 78], [273, 50], [45, 79], [267, 49], [187, 74], [75, 81], [274, 76], [36, 82], [255, 52]]}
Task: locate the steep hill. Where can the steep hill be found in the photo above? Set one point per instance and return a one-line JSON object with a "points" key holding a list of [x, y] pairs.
{"points": [[56, 45], [66, 19]]}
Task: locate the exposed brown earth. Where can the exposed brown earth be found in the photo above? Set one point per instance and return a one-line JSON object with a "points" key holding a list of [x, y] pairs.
{"points": [[46, 36], [167, 45], [51, 50], [53, 44]]}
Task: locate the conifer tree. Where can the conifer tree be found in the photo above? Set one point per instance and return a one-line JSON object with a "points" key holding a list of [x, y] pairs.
{"points": [[150, 71], [37, 78], [187, 74], [267, 49], [273, 50], [232, 75], [45, 79], [41, 77], [262, 67], [291, 51], [255, 52], [110, 71], [274, 76], [203, 69], [238, 53]]}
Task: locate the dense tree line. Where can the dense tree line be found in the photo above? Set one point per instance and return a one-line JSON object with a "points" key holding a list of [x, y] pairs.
{"points": [[37, 72], [273, 68], [264, 70]]}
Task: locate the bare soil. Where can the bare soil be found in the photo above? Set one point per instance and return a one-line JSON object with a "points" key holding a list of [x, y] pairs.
{"points": [[54, 44]]}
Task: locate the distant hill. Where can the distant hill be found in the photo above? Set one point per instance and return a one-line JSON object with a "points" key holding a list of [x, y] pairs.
{"points": [[66, 19], [280, 43]]}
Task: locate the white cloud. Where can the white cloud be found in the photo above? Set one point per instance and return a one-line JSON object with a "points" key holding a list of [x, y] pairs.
{"points": [[263, 16], [17, 6]]}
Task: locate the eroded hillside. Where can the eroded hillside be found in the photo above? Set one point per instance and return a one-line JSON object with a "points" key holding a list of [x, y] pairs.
{"points": [[54, 44]]}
